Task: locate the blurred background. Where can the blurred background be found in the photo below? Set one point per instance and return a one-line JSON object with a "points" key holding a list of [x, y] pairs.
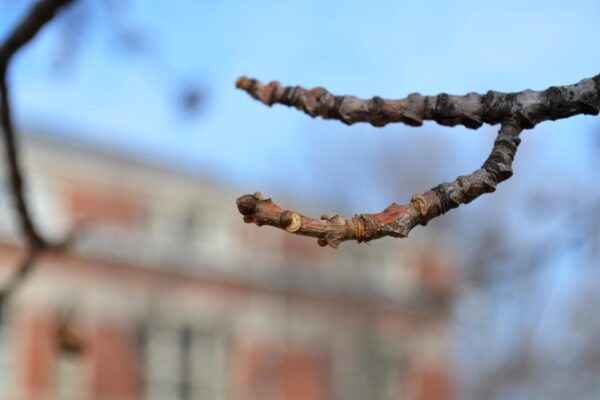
{"points": [[133, 133]]}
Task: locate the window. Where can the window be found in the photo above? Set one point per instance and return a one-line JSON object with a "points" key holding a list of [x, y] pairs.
{"points": [[184, 363]]}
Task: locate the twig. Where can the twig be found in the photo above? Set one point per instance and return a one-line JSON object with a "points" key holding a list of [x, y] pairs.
{"points": [[31, 255], [40, 14], [515, 112], [15, 176], [396, 220], [472, 110]]}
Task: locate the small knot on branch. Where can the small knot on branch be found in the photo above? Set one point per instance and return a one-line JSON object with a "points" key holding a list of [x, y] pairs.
{"points": [[358, 230], [420, 204], [291, 221], [270, 93]]}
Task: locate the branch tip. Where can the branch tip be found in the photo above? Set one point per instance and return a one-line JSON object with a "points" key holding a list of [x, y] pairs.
{"points": [[246, 204], [244, 83]]}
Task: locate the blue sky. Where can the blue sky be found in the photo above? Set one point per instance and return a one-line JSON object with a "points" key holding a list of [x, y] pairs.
{"points": [[388, 48]]}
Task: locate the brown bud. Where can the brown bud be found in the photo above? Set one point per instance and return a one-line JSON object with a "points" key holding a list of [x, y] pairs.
{"points": [[248, 219], [246, 204], [322, 242], [285, 218]]}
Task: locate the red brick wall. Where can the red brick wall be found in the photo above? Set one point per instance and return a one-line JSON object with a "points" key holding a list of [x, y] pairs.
{"points": [[113, 362], [305, 376], [90, 204], [262, 372], [255, 372], [37, 350], [430, 383]]}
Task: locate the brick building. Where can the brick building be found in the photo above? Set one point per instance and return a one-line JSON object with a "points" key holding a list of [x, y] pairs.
{"points": [[168, 295]]}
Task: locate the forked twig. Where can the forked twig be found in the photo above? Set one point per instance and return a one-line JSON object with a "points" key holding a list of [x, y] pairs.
{"points": [[514, 111], [39, 15]]}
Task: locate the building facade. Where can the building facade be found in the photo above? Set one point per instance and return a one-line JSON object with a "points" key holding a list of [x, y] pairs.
{"points": [[166, 294]]}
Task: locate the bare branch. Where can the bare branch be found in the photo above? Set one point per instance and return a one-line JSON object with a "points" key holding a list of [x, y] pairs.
{"points": [[515, 112], [15, 176], [40, 14], [23, 270], [396, 220], [471, 110]]}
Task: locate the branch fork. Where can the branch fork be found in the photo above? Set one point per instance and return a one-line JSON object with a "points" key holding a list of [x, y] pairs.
{"points": [[513, 111], [39, 15]]}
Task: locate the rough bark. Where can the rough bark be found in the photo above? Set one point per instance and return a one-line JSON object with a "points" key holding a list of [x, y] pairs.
{"points": [[514, 111], [472, 110]]}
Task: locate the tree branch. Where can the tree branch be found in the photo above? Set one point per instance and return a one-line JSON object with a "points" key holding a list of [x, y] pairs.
{"points": [[31, 255], [515, 112], [396, 220], [39, 14], [471, 110], [12, 160]]}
